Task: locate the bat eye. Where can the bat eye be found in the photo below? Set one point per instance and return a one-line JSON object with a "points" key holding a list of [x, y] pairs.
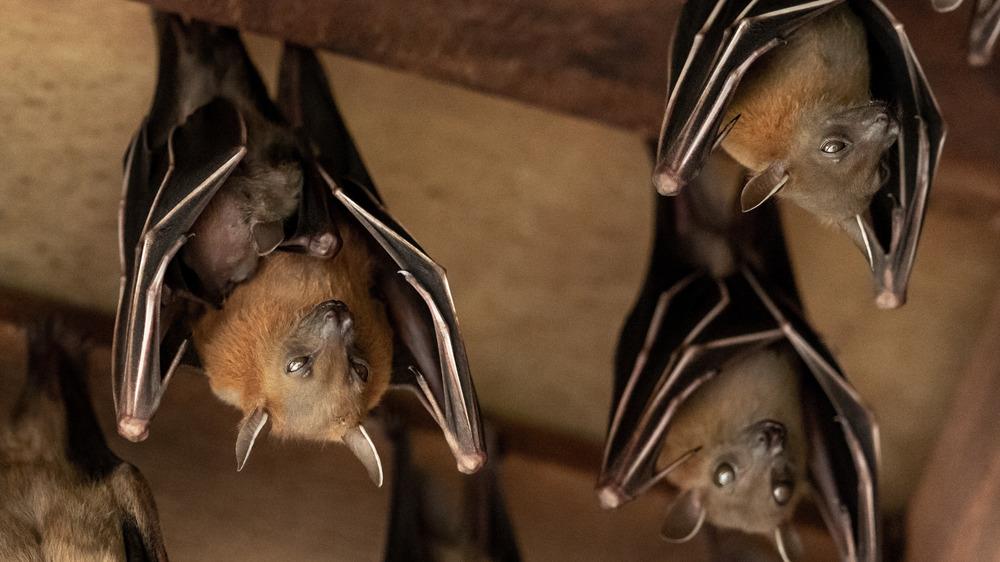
{"points": [[724, 475], [298, 365], [782, 493], [833, 146], [360, 369]]}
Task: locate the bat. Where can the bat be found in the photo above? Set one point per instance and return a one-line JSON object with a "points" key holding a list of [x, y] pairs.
{"points": [[705, 392], [63, 494], [418, 531], [787, 81], [234, 204], [983, 29]]}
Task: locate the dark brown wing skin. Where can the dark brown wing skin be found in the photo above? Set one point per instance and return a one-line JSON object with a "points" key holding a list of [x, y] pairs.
{"points": [[715, 43], [486, 529], [689, 321], [432, 362]]}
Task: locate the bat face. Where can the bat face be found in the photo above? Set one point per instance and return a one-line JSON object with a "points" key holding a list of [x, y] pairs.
{"points": [[835, 162], [303, 339], [745, 426], [806, 125]]}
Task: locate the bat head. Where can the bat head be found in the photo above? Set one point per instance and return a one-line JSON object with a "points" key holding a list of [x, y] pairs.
{"points": [[744, 466], [303, 344], [834, 165]]}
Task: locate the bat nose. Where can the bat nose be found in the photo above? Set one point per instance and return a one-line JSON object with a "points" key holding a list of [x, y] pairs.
{"points": [[338, 313], [772, 436]]}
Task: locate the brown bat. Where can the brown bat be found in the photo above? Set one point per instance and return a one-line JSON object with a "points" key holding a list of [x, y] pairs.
{"points": [[63, 494], [805, 125], [304, 343]]}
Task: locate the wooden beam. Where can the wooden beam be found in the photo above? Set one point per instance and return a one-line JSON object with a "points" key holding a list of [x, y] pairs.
{"points": [[600, 60]]}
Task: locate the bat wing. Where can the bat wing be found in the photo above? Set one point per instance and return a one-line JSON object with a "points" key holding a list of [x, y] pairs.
{"points": [[714, 45], [418, 293], [888, 234], [201, 154], [983, 32], [140, 521], [844, 440]]}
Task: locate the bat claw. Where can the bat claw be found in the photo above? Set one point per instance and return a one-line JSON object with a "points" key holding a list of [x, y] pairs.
{"points": [[133, 428], [667, 183]]}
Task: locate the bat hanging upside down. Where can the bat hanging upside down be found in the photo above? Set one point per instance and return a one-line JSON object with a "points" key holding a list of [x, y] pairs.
{"points": [[254, 245], [305, 344], [806, 126], [741, 449]]}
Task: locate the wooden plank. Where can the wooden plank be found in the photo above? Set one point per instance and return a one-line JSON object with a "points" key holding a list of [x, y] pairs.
{"points": [[601, 60]]}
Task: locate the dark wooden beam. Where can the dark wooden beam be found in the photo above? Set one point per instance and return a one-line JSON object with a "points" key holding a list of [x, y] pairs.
{"points": [[597, 59], [591, 58]]}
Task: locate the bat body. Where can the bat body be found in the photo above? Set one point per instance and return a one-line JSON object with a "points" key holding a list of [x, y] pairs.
{"points": [[63, 494], [304, 340], [235, 225], [422, 526], [723, 391], [749, 468], [804, 123], [786, 87]]}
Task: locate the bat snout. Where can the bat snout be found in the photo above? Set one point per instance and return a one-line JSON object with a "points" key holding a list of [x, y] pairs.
{"points": [[771, 435], [336, 318]]}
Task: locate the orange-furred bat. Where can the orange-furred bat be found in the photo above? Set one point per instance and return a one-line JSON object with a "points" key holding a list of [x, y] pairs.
{"points": [[305, 344], [805, 125], [63, 494], [824, 102], [255, 246], [743, 449]]}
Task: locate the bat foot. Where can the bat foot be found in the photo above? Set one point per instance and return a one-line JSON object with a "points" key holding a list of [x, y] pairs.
{"points": [[133, 429], [610, 497]]}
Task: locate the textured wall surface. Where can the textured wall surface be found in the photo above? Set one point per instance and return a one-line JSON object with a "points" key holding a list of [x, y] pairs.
{"points": [[542, 221]]}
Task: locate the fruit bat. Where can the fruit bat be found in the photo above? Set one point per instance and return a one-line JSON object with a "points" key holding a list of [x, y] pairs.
{"points": [[422, 526], [983, 30], [787, 88], [63, 494], [234, 221], [724, 391]]}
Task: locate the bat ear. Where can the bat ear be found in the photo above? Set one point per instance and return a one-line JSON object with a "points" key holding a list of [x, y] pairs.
{"points": [[267, 236], [249, 429], [361, 445], [684, 518], [762, 186], [789, 544]]}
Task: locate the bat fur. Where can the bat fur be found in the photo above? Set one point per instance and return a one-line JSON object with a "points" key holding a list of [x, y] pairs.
{"points": [[807, 125], [53, 507], [726, 420], [265, 323]]}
